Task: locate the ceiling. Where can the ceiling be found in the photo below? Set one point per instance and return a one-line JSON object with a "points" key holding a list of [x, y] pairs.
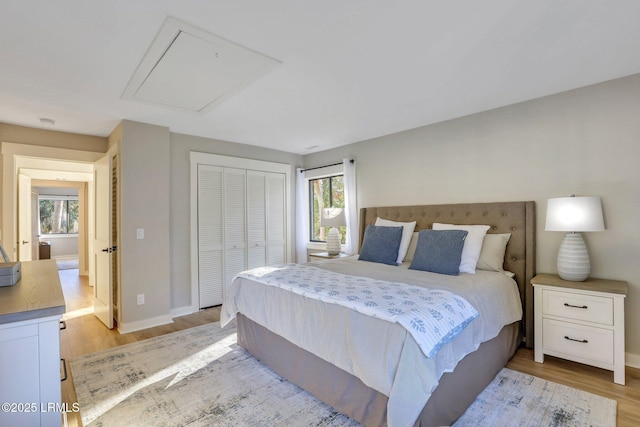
{"points": [[347, 70]]}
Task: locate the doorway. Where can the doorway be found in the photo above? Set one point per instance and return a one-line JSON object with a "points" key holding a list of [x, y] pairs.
{"points": [[47, 167], [52, 215]]}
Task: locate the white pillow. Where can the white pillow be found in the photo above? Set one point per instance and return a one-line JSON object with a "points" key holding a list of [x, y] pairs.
{"points": [[407, 232], [492, 253], [472, 244], [413, 243]]}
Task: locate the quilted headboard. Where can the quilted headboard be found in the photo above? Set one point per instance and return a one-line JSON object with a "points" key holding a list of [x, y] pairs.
{"points": [[517, 218]]}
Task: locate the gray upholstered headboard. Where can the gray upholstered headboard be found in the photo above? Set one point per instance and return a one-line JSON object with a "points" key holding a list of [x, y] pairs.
{"points": [[517, 218]]}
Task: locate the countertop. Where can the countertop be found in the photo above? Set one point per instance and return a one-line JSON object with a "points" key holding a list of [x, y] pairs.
{"points": [[37, 294]]}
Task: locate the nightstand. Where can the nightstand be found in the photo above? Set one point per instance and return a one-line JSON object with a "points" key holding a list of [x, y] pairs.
{"points": [[580, 321], [325, 255]]}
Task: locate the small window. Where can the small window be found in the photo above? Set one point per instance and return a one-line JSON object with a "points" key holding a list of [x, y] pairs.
{"points": [[58, 215], [325, 192]]}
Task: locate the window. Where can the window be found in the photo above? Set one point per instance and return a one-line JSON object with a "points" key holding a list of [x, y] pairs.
{"points": [[325, 192], [58, 215]]}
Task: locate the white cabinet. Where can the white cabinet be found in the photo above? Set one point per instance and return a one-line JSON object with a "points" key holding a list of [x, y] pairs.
{"points": [[581, 321], [30, 313], [241, 224], [30, 372]]}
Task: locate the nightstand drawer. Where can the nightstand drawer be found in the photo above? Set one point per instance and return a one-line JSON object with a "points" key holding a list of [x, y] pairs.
{"points": [[584, 342], [576, 306]]}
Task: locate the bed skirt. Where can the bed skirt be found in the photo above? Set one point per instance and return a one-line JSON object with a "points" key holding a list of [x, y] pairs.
{"points": [[347, 394]]}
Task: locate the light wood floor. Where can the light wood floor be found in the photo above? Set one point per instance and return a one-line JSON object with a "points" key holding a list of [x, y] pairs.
{"points": [[85, 334]]}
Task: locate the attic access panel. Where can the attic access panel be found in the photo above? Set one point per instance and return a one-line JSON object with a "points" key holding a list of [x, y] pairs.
{"points": [[189, 69]]}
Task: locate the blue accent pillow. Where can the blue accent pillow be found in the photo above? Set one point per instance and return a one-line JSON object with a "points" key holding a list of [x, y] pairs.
{"points": [[381, 244], [439, 251]]}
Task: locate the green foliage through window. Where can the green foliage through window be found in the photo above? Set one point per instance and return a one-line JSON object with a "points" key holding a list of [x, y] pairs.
{"points": [[58, 216], [327, 192]]}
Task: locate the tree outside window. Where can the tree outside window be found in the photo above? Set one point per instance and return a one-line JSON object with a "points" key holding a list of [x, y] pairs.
{"points": [[58, 216], [326, 192]]}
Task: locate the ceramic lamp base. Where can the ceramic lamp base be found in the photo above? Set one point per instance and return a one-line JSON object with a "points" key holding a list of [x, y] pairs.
{"points": [[333, 241], [573, 258]]}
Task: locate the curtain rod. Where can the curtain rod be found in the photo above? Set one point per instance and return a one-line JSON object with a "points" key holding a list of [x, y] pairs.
{"points": [[326, 166]]}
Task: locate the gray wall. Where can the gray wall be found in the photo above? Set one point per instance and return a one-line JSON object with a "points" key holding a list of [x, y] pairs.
{"points": [[144, 203], [181, 146], [583, 142]]}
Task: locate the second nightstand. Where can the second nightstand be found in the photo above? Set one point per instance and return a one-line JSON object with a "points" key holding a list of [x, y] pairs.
{"points": [[325, 255], [580, 321]]}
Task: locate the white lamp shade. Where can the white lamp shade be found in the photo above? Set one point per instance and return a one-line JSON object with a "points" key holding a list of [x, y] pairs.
{"points": [[332, 217], [574, 214]]}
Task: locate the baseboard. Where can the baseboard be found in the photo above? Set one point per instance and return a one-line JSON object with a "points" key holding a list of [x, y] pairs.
{"points": [[632, 360], [182, 311], [125, 328]]}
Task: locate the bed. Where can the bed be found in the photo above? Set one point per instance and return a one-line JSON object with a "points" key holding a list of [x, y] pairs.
{"points": [[381, 376]]}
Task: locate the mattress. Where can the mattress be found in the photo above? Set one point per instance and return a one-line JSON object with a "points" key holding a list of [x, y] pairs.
{"points": [[383, 355]]}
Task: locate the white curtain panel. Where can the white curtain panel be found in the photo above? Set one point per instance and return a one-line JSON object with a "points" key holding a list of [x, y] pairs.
{"points": [[302, 216], [351, 207]]}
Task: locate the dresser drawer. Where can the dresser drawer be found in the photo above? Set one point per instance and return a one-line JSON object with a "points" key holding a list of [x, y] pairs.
{"points": [[8, 333], [596, 309], [585, 342]]}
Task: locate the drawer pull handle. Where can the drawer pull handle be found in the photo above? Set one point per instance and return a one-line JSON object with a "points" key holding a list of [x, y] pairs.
{"points": [[566, 304], [64, 369], [573, 339]]}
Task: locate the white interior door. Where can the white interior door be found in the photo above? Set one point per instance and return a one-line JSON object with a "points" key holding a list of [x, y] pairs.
{"points": [[235, 223], [102, 248], [35, 226], [24, 218], [210, 235], [256, 219], [276, 218]]}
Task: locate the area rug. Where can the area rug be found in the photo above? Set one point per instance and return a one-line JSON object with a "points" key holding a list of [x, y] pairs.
{"points": [[67, 263], [517, 399], [200, 377], [196, 377]]}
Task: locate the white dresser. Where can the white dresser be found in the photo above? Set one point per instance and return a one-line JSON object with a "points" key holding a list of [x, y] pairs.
{"points": [[30, 314], [581, 321]]}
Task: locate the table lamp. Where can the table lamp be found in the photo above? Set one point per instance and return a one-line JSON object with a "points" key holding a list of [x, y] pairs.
{"points": [[574, 215], [333, 218]]}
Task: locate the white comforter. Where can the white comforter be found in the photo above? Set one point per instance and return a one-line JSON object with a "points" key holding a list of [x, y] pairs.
{"points": [[382, 354]]}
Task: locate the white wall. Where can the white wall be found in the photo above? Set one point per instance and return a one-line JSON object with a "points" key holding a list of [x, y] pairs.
{"points": [[62, 246], [583, 142]]}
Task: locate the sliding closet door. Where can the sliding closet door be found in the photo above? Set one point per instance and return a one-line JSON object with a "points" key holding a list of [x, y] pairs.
{"points": [[256, 219], [239, 220], [266, 220], [210, 235], [276, 218], [235, 223]]}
